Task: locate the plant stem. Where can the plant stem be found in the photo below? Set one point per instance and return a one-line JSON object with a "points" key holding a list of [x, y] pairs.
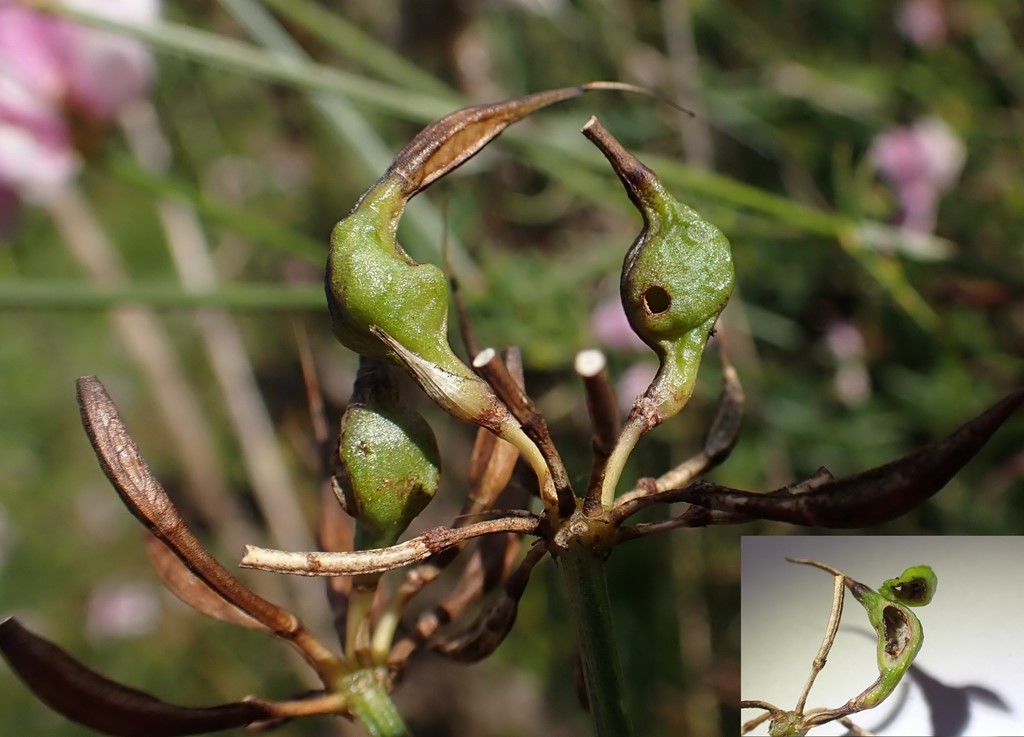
{"points": [[587, 586], [368, 700]]}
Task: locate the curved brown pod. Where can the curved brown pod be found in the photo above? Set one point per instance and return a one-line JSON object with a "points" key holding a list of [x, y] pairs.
{"points": [[95, 701], [146, 499], [869, 498], [448, 143]]}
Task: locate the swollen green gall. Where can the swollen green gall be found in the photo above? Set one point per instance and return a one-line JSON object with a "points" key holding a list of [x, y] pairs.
{"points": [[676, 280], [389, 467], [386, 306], [899, 635]]}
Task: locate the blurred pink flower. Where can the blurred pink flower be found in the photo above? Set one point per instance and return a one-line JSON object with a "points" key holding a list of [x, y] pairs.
{"points": [[922, 22], [921, 161], [49, 65], [851, 382], [105, 70], [611, 327], [33, 49], [634, 382], [36, 155], [122, 609]]}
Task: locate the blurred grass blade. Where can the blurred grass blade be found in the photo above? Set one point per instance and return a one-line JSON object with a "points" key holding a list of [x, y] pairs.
{"points": [[333, 90], [362, 140], [95, 701], [226, 53], [348, 39], [76, 295], [244, 221]]}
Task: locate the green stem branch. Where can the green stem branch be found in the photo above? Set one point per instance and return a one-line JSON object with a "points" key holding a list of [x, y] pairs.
{"points": [[587, 586], [369, 702]]}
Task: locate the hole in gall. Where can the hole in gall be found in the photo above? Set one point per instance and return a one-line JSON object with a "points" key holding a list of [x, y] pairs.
{"points": [[657, 300]]}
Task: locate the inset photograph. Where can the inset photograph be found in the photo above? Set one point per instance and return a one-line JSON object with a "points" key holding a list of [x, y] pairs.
{"points": [[882, 636]]}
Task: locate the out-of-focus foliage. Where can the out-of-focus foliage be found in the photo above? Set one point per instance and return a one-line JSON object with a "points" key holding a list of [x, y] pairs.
{"points": [[850, 356]]}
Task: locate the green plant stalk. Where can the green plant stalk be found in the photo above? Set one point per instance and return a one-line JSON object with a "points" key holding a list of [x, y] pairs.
{"points": [[586, 583], [61, 294], [368, 700]]}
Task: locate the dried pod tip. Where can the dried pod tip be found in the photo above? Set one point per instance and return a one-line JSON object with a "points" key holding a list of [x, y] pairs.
{"points": [[389, 465], [676, 279]]}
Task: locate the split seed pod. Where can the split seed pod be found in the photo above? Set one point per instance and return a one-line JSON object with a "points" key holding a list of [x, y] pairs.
{"points": [[914, 587], [899, 638], [389, 464]]}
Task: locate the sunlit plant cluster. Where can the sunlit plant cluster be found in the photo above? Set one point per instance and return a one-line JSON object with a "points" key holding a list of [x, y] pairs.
{"points": [[677, 278]]}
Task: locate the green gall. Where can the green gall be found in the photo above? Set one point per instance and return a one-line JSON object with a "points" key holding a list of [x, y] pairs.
{"points": [[676, 278], [914, 587], [899, 635], [389, 464], [372, 281]]}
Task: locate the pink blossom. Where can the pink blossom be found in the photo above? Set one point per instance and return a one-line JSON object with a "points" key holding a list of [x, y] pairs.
{"points": [[611, 327], [33, 50], [922, 22], [36, 155], [106, 70], [851, 382], [634, 382], [122, 609], [921, 161], [48, 65]]}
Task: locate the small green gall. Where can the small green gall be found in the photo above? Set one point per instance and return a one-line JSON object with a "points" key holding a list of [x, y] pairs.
{"points": [[914, 587], [372, 281], [389, 464], [676, 279], [900, 637]]}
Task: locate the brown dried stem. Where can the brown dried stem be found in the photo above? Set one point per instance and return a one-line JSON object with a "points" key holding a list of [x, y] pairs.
{"points": [[490, 366], [866, 499], [481, 638], [144, 496], [838, 584]]}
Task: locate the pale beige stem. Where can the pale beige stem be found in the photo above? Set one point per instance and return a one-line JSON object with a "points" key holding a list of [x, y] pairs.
{"points": [[631, 433], [838, 596]]}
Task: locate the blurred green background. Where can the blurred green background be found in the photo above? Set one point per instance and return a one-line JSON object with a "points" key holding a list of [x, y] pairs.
{"points": [[855, 340]]}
